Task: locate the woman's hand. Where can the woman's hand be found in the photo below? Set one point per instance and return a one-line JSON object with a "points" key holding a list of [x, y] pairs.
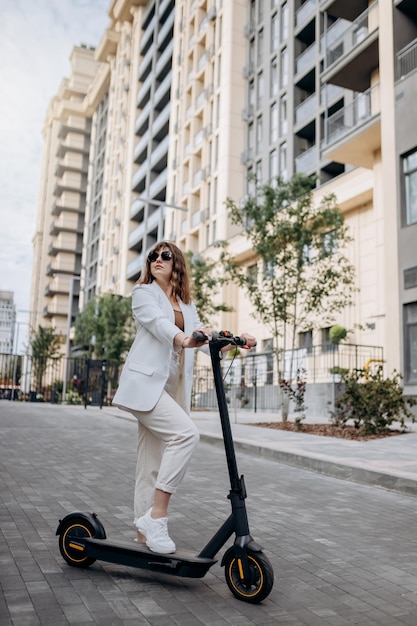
{"points": [[250, 341], [191, 342]]}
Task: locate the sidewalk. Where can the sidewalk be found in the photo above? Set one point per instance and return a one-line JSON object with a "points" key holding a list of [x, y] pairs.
{"points": [[390, 463]]}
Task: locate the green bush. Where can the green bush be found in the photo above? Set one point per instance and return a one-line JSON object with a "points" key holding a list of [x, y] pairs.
{"points": [[337, 333], [342, 371], [73, 397], [373, 402]]}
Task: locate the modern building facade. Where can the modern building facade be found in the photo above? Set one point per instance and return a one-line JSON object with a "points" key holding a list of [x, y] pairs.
{"points": [[7, 322], [186, 99], [59, 232]]}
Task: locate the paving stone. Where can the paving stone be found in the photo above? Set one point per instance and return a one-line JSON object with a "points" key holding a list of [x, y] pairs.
{"points": [[342, 552]]}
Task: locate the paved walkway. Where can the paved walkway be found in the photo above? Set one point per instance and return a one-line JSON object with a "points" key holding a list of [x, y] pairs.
{"points": [[390, 462], [343, 553]]}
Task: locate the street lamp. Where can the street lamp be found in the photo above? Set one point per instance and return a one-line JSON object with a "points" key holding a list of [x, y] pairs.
{"points": [[73, 277]]}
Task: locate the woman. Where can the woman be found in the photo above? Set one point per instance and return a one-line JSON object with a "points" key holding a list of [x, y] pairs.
{"points": [[155, 386]]}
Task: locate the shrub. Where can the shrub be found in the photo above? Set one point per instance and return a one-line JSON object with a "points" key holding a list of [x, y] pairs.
{"points": [[337, 333], [373, 402]]}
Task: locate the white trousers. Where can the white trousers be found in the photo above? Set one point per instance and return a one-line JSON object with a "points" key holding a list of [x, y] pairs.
{"points": [[166, 440]]}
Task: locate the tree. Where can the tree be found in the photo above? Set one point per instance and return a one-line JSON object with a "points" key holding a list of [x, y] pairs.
{"points": [[105, 328], [305, 277], [205, 280], [45, 344]]}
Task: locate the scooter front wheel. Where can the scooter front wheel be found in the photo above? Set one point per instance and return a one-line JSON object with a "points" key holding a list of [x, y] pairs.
{"points": [[73, 529], [257, 584]]}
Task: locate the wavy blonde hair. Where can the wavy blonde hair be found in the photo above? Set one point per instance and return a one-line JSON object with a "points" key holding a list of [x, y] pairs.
{"points": [[180, 280]]}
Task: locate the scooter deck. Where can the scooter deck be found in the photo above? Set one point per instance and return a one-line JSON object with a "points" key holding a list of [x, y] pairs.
{"points": [[181, 563]]}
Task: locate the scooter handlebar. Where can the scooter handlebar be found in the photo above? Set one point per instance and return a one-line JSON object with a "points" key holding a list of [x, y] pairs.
{"points": [[223, 337]]}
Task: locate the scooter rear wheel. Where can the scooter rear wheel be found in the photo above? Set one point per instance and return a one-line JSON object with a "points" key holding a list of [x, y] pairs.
{"points": [[261, 576], [75, 528]]}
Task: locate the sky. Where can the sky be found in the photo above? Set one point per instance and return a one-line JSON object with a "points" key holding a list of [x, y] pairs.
{"points": [[36, 41]]}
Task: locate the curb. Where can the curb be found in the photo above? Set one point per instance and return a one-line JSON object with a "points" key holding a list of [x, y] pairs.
{"points": [[341, 471]]}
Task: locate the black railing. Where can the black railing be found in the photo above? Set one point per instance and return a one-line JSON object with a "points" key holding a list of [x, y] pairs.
{"points": [[251, 380]]}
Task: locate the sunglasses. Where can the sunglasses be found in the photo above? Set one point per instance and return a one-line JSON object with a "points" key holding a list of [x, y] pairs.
{"points": [[166, 255]]}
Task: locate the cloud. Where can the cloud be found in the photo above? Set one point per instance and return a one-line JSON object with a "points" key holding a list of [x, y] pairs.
{"points": [[36, 43]]}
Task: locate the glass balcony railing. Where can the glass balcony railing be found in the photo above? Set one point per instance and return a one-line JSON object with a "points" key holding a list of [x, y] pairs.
{"points": [[366, 23], [306, 161], [305, 11], [362, 108], [306, 109], [306, 59]]}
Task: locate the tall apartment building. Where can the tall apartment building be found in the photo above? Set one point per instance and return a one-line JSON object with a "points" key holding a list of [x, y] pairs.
{"points": [[152, 128], [7, 322], [112, 98], [59, 232], [188, 98]]}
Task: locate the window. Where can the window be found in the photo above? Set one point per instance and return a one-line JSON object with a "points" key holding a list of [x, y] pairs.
{"points": [[410, 187], [330, 243], [259, 176], [260, 56], [273, 123], [283, 172], [252, 273], [284, 21], [326, 344], [283, 114], [260, 90], [284, 67], [259, 135], [410, 342], [305, 340], [274, 33], [273, 78], [273, 165]]}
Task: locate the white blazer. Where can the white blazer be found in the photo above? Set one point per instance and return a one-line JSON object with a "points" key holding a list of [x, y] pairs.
{"points": [[148, 363]]}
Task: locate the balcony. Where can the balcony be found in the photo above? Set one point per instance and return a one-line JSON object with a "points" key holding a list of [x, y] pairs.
{"points": [[135, 267], [158, 160], [144, 92], [306, 162], [166, 28], [306, 110], [305, 11], [140, 150], [145, 66], [407, 60], [163, 92], [346, 9], [136, 236], [353, 133], [160, 126], [158, 184], [164, 60], [137, 210], [306, 59], [145, 39], [350, 59], [140, 175], [142, 121]]}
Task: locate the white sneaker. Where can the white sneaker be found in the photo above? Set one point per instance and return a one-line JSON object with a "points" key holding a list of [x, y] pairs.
{"points": [[156, 533]]}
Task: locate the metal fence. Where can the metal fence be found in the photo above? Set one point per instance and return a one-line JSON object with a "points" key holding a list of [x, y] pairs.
{"points": [[251, 380], [89, 381]]}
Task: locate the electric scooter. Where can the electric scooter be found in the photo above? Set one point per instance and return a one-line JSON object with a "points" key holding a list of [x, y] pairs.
{"points": [[248, 572]]}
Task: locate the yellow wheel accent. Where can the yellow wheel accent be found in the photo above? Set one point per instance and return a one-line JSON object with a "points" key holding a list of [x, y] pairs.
{"points": [[259, 579], [71, 552]]}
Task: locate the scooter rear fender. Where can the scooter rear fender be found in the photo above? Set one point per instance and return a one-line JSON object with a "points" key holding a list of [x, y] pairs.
{"points": [[91, 518]]}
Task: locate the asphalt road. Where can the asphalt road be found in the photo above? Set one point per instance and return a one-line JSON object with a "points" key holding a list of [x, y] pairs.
{"points": [[342, 553]]}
